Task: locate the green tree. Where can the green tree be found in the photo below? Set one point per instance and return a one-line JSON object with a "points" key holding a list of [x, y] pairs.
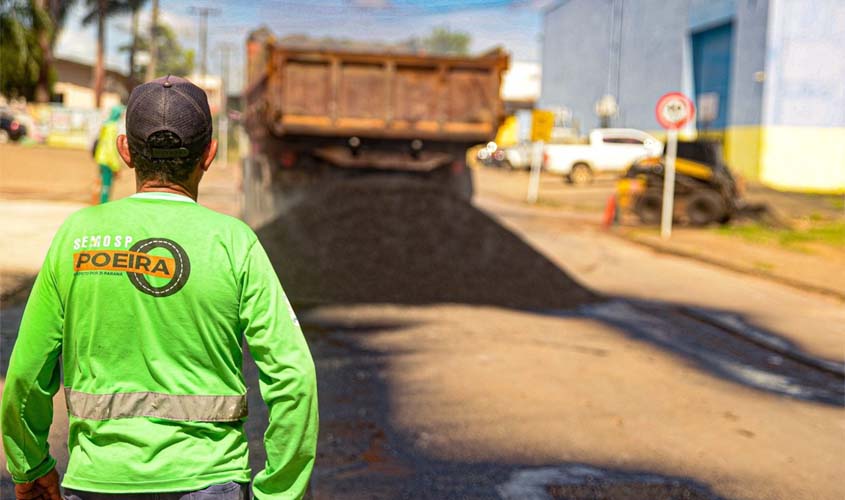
{"points": [[135, 7], [153, 52], [132, 7], [98, 11], [28, 32], [50, 17], [172, 58], [20, 54], [442, 40]]}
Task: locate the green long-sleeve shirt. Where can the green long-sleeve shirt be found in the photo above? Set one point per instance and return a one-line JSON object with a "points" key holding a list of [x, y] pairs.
{"points": [[147, 300]]}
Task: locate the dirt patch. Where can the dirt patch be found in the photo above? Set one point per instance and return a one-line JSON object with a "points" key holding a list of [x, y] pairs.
{"points": [[382, 239]]}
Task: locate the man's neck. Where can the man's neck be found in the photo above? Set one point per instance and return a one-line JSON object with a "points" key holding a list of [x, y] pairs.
{"points": [[162, 187]]}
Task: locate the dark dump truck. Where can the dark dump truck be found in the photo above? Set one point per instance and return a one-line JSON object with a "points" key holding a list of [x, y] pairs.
{"points": [[313, 111]]}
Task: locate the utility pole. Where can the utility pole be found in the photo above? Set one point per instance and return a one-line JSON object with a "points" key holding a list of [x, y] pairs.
{"points": [[203, 13], [225, 49], [151, 66], [100, 65]]}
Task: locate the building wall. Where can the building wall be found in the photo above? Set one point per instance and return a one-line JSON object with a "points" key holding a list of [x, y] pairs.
{"points": [[521, 82], [597, 47], [655, 59], [576, 38], [78, 96], [803, 136], [75, 83], [743, 134], [785, 109]]}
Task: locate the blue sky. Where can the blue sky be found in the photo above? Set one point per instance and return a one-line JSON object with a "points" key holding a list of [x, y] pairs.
{"points": [[514, 24]]}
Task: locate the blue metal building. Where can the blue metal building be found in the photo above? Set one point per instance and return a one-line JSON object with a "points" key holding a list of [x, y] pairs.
{"points": [[773, 68]]}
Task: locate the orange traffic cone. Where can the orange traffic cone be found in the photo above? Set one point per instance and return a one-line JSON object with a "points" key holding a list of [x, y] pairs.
{"points": [[609, 212]]}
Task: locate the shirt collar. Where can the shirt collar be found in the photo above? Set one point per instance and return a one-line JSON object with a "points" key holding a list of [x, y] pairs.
{"points": [[159, 195]]}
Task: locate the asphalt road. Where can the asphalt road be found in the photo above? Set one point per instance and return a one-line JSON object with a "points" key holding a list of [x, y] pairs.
{"points": [[625, 398]]}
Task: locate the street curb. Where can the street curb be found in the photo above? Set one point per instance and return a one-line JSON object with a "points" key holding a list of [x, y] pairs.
{"points": [[808, 287]]}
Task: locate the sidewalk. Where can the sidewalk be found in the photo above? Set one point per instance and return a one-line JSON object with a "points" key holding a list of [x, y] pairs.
{"points": [[821, 272], [817, 267]]}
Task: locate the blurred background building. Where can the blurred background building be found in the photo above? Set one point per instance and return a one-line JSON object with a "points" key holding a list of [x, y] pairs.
{"points": [[74, 86], [766, 76]]}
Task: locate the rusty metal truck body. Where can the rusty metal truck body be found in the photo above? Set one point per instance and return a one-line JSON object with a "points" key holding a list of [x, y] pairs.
{"points": [[309, 109]]}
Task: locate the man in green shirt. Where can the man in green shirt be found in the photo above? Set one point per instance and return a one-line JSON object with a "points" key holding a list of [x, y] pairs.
{"points": [[147, 301]]}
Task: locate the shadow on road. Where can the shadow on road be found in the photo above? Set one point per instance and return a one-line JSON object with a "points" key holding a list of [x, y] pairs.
{"points": [[725, 345], [362, 455], [362, 243], [402, 241]]}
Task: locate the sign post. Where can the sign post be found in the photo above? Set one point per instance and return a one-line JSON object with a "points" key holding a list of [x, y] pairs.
{"points": [[536, 166], [542, 123], [674, 110]]}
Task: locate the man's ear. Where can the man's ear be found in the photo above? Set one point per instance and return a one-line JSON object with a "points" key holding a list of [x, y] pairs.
{"points": [[208, 156], [123, 150]]}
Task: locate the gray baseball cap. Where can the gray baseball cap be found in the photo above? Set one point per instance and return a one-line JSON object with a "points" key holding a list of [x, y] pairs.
{"points": [[173, 104]]}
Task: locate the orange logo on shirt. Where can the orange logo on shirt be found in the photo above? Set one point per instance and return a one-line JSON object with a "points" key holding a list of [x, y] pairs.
{"points": [[121, 260], [137, 264]]}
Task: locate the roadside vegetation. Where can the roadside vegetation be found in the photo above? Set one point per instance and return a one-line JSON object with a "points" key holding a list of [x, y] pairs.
{"points": [[806, 235]]}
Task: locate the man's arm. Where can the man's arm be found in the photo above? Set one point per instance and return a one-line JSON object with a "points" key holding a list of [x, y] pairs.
{"points": [[287, 380], [31, 382]]}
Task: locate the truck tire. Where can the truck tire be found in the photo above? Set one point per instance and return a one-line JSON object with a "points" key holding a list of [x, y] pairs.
{"points": [[580, 175], [705, 207], [457, 184], [649, 206], [462, 185]]}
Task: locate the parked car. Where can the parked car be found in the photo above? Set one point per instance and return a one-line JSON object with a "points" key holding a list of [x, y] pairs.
{"points": [[491, 155], [609, 150], [518, 156], [10, 128]]}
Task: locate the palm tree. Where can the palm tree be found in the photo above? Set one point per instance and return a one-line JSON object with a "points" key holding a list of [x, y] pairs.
{"points": [[48, 18], [135, 7], [151, 66], [99, 10]]}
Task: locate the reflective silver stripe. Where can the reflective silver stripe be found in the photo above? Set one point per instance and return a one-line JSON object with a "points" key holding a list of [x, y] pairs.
{"points": [[155, 404]]}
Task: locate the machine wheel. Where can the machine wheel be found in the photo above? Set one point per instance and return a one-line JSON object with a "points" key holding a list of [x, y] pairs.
{"points": [[580, 175], [704, 207], [649, 206]]}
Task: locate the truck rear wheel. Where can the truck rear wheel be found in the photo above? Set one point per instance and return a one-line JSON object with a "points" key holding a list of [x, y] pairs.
{"points": [[461, 184], [705, 207]]}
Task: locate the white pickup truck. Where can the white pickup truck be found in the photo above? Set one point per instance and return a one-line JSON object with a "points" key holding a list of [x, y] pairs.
{"points": [[609, 150]]}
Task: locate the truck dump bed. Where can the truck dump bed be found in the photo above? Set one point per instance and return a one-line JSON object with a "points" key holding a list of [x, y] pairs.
{"points": [[312, 92]]}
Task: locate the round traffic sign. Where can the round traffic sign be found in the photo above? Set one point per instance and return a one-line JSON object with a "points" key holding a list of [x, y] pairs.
{"points": [[674, 110]]}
